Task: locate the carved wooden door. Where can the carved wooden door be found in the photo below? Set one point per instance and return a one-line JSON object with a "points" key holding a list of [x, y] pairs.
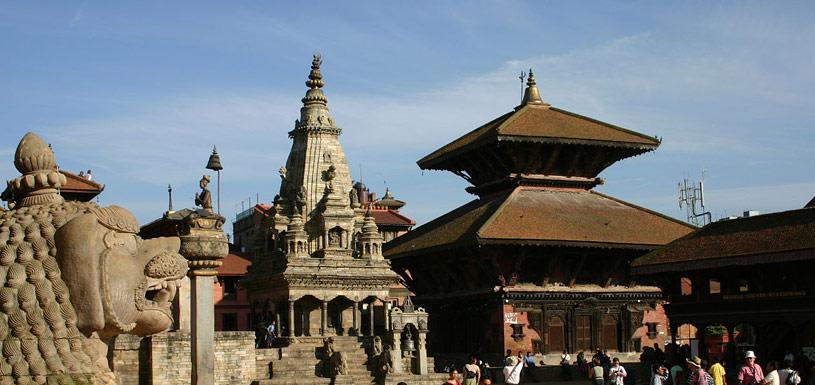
{"points": [[583, 332], [556, 335], [609, 332]]}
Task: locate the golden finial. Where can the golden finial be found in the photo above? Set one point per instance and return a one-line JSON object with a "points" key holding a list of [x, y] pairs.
{"points": [[315, 82], [315, 78], [532, 94]]}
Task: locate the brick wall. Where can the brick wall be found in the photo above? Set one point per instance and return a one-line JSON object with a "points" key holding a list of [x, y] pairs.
{"points": [[165, 358]]}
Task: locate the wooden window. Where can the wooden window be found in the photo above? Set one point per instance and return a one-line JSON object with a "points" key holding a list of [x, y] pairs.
{"points": [[583, 332], [715, 286], [556, 335], [686, 286]]}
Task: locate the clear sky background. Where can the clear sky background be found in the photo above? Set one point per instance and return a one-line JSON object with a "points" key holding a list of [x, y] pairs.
{"points": [[140, 91]]}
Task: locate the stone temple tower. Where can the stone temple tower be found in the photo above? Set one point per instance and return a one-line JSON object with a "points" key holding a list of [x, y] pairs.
{"points": [[319, 264]]}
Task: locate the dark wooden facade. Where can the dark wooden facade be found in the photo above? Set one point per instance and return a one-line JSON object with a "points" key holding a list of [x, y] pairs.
{"points": [[540, 260], [748, 278]]}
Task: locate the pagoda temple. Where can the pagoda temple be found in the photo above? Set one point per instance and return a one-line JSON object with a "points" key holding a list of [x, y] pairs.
{"points": [[539, 261], [319, 270]]}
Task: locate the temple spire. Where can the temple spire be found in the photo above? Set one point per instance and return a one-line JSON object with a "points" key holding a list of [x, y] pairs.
{"points": [[314, 116], [532, 94]]}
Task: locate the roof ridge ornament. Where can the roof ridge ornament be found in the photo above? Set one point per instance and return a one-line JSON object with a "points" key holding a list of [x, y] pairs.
{"points": [[532, 94]]}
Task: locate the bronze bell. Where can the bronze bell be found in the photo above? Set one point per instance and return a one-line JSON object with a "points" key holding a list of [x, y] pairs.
{"points": [[214, 162], [407, 341]]}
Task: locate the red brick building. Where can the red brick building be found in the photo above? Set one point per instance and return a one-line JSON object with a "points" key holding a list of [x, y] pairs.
{"points": [[231, 305]]}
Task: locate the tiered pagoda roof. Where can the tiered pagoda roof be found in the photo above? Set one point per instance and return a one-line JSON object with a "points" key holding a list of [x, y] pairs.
{"points": [[531, 215], [534, 169], [537, 138]]}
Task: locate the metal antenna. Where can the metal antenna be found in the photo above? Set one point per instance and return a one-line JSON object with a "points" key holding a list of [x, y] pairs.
{"points": [[522, 77], [692, 197]]}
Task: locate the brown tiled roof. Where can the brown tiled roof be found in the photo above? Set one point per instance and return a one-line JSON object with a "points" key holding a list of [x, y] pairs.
{"points": [[752, 240], [543, 123], [234, 265], [811, 203], [391, 217], [76, 183], [545, 216], [455, 228]]}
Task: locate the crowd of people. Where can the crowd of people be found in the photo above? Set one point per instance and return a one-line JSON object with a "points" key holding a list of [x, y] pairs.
{"points": [[676, 367], [517, 368], [682, 368]]}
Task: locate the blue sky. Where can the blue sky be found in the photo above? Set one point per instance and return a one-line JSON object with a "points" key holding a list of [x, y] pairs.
{"points": [[139, 92]]}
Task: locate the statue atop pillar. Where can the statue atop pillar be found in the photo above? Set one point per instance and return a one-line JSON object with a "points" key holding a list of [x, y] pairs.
{"points": [[204, 198]]}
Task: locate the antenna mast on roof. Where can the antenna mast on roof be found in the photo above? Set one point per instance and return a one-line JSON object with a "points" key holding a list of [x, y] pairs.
{"points": [[692, 197], [522, 77]]}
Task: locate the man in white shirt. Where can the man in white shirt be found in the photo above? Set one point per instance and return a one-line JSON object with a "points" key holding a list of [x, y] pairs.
{"points": [[772, 374], [616, 374], [785, 372], [512, 371]]}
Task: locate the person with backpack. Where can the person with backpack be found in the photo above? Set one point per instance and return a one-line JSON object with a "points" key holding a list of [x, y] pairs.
{"points": [[472, 372], [787, 376]]}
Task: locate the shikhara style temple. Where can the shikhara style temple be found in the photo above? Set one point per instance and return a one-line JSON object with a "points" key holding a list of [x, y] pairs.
{"points": [[539, 261], [741, 284], [323, 257]]}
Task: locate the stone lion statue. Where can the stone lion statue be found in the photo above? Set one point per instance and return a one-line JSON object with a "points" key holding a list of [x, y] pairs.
{"points": [[73, 274]]}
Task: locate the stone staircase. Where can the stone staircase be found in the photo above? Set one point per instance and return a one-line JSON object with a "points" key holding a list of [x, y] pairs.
{"points": [[301, 364]]}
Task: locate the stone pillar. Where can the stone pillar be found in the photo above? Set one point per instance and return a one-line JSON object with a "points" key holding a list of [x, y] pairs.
{"points": [[371, 318], [324, 318], [203, 244], [203, 330], [356, 319], [291, 319], [387, 316], [396, 338], [421, 354]]}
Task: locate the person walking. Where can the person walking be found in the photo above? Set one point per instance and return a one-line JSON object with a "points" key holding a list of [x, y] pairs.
{"points": [[750, 373]]}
